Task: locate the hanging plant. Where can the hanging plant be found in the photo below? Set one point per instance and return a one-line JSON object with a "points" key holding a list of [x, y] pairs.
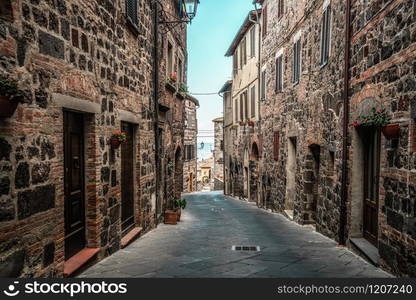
{"points": [[250, 123], [377, 118], [10, 96], [117, 138], [170, 165]]}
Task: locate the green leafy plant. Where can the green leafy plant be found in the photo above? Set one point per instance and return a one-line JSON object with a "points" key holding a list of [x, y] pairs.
{"points": [[377, 118], [183, 88], [179, 203], [170, 165], [10, 89], [172, 78]]}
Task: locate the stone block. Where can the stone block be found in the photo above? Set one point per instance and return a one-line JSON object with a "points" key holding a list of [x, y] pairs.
{"points": [[51, 45], [48, 254], [4, 186], [40, 173], [22, 176], [34, 201], [7, 210], [395, 220], [12, 265], [5, 149]]}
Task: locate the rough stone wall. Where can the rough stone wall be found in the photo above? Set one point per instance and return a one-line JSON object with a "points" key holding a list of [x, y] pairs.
{"points": [[190, 140], [308, 113], [81, 49], [171, 184], [383, 68], [218, 170]]}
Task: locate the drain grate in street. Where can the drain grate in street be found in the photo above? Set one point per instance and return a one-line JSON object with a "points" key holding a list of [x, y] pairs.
{"points": [[246, 248]]}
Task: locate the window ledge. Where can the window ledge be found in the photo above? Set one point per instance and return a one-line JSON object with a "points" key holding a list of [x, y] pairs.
{"points": [[80, 259], [323, 65]]}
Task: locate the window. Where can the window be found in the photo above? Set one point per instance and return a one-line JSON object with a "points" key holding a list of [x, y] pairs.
{"points": [[296, 62], [325, 35], [280, 9], [331, 163], [253, 42], [180, 71], [222, 145], [245, 105], [170, 58], [6, 11], [235, 62], [131, 11], [241, 107], [264, 22], [253, 102], [263, 85], [276, 145], [236, 110], [279, 73], [244, 53]]}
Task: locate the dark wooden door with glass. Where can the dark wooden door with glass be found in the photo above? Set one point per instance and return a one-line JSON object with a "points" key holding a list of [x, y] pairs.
{"points": [[127, 178], [74, 183], [371, 139]]}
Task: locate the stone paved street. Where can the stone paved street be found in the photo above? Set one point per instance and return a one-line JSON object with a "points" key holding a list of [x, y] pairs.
{"points": [[200, 246]]}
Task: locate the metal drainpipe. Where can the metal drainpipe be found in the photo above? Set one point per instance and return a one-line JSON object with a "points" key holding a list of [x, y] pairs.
{"points": [[156, 99], [344, 178]]}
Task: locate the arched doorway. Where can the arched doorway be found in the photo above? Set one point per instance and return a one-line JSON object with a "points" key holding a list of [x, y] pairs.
{"points": [[254, 173], [178, 177]]}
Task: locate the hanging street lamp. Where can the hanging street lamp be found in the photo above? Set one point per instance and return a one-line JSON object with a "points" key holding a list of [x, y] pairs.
{"points": [[191, 7]]}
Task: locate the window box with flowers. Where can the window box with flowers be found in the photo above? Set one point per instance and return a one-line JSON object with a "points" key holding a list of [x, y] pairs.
{"points": [[242, 123], [116, 139], [379, 118], [171, 82], [10, 96]]}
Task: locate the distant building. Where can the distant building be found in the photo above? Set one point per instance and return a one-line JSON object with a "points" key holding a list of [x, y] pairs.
{"points": [[190, 145], [204, 173], [218, 171]]}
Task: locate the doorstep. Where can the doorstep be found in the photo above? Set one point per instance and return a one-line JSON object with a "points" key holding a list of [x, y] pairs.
{"points": [[78, 260], [367, 249], [130, 237], [289, 214]]}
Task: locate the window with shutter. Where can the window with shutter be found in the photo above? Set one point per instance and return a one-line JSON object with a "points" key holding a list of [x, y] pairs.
{"points": [[296, 62], [131, 11], [253, 102], [279, 73], [280, 9], [246, 105], [241, 107], [276, 145], [236, 110], [235, 62], [325, 35], [244, 45], [253, 42], [263, 85], [264, 32]]}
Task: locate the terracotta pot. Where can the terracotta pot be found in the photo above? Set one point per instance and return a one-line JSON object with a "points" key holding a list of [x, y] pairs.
{"points": [[171, 217], [251, 124], [7, 107], [115, 143], [391, 131]]}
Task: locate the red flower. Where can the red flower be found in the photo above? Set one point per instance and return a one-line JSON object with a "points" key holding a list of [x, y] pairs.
{"points": [[355, 124]]}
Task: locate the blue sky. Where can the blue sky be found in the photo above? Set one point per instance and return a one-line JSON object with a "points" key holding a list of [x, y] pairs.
{"points": [[209, 37]]}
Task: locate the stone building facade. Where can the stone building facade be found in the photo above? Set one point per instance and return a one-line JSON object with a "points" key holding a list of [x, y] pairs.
{"points": [[218, 170], [244, 136], [353, 183], [227, 133], [190, 145], [85, 69]]}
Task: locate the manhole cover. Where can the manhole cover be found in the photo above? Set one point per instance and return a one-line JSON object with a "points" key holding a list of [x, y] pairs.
{"points": [[246, 248]]}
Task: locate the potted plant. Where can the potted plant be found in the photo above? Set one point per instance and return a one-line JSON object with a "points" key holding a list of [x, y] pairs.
{"points": [[178, 205], [171, 217], [250, 123], [182, 89], [10, 96], [391, 131], [379, 118], [172, 78], [116, 139]]}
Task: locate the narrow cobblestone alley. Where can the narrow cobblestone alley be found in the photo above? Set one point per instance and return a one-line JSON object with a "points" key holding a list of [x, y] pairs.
{"points": [[201, 246]]}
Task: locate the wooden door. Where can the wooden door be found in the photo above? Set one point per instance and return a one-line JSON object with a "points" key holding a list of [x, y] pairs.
{"points": [[371, 184], [127, 178], [74, 206]]}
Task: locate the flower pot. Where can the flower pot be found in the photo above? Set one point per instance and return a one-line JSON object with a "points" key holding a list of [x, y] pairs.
{"points": [[7, 106], [115, 143], [251, 124], [391, 131], [171, 217]]}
